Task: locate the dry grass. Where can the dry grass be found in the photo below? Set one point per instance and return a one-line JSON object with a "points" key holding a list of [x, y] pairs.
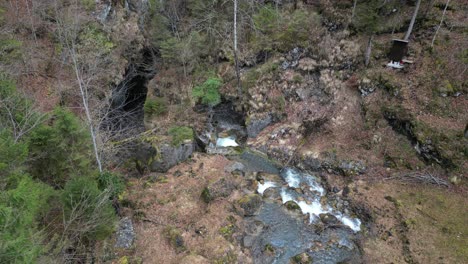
{"points": [[177, 203]]}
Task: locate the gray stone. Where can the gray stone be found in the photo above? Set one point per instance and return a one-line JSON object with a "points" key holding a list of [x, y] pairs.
{"points": [[170, 156], [125, 233], [257, 124], [236, 166]]}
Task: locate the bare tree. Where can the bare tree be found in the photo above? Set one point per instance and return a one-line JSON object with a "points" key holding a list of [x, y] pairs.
{"points": [[236, 59], [68, 35], [30, 117], [440, 24], [413, 19]]}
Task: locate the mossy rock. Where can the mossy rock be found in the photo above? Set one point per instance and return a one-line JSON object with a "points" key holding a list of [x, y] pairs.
{"points": [[174, 238], [180, 134], [269, 249], [302, 258], [250, 203], [221, 188], [329, 219], [292, 206]]}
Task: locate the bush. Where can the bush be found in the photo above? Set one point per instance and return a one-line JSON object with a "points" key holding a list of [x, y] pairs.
{"points": [[88, 210], [180, 134], [60, 150], [20, 209], [12, 155], [10, 50], [111, 182], [156, 106], [208, 92]]}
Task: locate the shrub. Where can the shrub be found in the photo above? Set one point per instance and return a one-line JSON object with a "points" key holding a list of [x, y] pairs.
{"points": [[10, 50], [20, 209], [88, 211], [180, 134], [208, 92], [60, 149], [155, 106], [111, 182]]}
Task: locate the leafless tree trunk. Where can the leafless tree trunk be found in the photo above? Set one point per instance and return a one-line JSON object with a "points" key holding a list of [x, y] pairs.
{"points": [[368, 50], [413, 19], [68, 34], [83, 92], [353, 13], [236, 60], [440, 24]]}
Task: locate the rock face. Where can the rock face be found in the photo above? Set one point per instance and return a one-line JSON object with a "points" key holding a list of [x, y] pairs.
{"points": [[125, 233], [169, 155]]}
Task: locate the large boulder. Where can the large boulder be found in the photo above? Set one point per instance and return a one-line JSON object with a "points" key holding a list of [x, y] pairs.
{"points": [[256, 124], [169, 156], [125, 234], [250, 203]]}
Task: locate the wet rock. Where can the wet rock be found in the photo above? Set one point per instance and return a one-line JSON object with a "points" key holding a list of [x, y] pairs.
{"points": [[272, 193], [194, 259], [250, 203], [125, 233], [248, 241], [329, 219], [312, 164], [236, 166], [303, 258], [170, 156], [257, 123], [269, 177], [292, 206]]}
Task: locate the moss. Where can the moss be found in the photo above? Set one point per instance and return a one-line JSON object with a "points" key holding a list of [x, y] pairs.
{"points": [[303, 258], [227, 231], [292, 206], [269, 249], [180, 134]]}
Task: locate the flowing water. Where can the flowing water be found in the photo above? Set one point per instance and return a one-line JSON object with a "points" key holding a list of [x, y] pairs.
{"points": [[276, 234]]}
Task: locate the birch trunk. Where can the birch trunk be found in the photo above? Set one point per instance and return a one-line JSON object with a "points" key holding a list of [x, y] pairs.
{"points": [[413, 19], [236, 60], [440, 24], [368, 50]]}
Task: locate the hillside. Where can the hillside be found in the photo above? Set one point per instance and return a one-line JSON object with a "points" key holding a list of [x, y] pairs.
{"points": [[196, 131]]}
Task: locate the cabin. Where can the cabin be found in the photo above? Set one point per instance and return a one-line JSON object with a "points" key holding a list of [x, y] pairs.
{"points": [[397, 52]]}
